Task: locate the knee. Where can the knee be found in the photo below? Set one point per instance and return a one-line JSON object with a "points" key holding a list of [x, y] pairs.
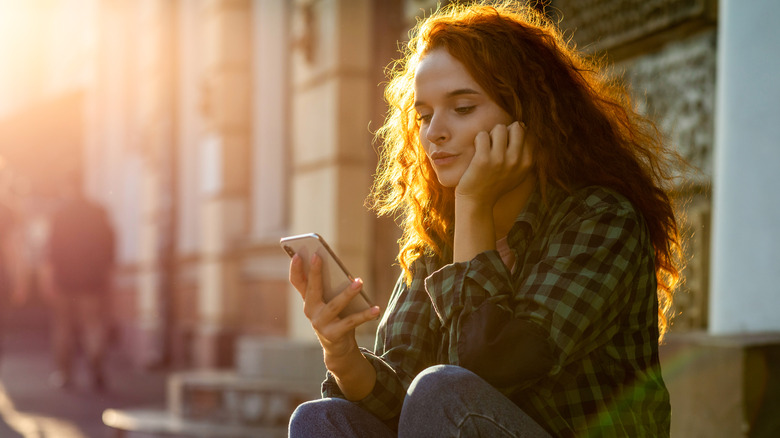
{"points": [[430, 400], [440, 377], [433, 384], [309, 417], [310, 412], [304, 416]]}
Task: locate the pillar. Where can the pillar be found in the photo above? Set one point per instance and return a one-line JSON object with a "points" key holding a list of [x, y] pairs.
{"points": [[745, 295], [156, 117], [331, 142], [224, 164], [741, 350]]}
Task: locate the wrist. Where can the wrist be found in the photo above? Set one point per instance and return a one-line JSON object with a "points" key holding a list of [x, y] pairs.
{"points": [[474, 230], [473, 203], [353, 373], [342, 363]]}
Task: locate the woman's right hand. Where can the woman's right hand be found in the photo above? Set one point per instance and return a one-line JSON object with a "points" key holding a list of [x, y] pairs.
{"points": [[336, 335]]}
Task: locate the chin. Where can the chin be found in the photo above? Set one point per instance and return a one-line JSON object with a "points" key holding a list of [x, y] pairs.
{"points": [[449, 178], [449, 183]]}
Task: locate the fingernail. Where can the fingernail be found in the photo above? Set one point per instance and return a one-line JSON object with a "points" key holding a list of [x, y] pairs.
{"points": [[357, 283], [375, 311]]}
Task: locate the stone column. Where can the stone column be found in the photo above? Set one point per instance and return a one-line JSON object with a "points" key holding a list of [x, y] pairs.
{"points": [[746, 212], [331, 143], [155, 118], [740, 353], [224, 173], [270, 109]]}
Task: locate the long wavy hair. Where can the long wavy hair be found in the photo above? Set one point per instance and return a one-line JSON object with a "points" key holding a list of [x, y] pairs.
{"points": [[590, 133]]}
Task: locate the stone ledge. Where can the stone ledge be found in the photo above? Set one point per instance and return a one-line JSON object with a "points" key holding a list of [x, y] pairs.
{"points": [[232, 380], [163, 422], [723, 385], [225, 397], [600, 25]]}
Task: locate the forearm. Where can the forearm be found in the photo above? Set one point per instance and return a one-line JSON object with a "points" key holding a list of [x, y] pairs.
{"points": [[354, 374], [474, 230]]}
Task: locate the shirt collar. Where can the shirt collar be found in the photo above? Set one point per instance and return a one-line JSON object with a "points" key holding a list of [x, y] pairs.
{"points": [[529, 220]]}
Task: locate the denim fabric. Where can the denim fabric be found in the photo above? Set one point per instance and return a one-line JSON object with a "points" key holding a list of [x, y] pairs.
{"points": [[335, 417], [442, 401]]}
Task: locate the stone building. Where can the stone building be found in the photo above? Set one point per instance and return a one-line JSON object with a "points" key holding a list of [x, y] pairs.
{"points": [[211, 128], [700, 69]]}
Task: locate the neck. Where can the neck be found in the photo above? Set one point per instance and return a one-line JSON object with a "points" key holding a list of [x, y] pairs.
{"points": [[510, 205]]}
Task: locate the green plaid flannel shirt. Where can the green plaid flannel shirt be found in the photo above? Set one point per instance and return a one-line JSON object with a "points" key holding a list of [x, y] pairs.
{"points": [[585, 276]]}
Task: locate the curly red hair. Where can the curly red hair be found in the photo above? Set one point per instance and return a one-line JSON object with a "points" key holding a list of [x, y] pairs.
{"points": [[590, 132]]}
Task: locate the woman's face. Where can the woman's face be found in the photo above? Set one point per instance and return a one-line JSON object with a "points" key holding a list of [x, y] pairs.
{"points": [[452, 110]]}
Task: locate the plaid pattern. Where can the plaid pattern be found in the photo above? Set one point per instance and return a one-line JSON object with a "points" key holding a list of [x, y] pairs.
{"points": [[585, 276]]}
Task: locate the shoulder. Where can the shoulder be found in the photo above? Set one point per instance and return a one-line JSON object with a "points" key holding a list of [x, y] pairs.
{"points": [[590, 202], [591, 215], [598, 199]]}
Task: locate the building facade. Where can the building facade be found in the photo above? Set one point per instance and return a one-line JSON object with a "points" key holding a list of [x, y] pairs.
{"points": [[211, 128]]}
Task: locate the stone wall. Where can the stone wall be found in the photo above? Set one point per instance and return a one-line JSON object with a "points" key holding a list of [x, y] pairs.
{"points": [[676, 86], [611, 25], [666, 52], [330, 145]]}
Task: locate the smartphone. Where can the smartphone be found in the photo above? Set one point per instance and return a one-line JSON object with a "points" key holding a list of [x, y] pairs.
{"points": [[335, 277]]}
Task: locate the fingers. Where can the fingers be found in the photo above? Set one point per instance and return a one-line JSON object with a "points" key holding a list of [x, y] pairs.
{"points": [[356, 319], [334, 307], [506, 144], [330, 325], [312, 299], [310, 289], [515, 148], [297, 275], [482, 145], [524, 149], [498, 146], [527, 149]]}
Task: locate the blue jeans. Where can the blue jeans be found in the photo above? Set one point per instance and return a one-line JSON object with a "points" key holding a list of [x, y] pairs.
{"points": [[442, 401]]}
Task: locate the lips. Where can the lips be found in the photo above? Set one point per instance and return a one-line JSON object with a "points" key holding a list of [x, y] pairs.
{"points": [[441, 158]]}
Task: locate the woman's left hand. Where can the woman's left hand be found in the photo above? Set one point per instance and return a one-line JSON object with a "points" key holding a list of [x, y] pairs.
{"points": [[502, 161]]}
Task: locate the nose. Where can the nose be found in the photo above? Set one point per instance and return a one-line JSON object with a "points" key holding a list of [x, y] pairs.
{"points": [[438, 131]]}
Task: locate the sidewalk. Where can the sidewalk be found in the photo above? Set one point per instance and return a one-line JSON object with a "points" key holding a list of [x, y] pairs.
{"points": [[29, 407]]}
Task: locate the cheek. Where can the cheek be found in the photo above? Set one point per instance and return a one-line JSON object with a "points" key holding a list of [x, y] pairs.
{"points": [[468, 153], [425, 145]]}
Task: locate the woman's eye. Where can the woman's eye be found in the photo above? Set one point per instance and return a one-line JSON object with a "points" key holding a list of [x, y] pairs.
{"points": [[424, 117], [464, 109]]}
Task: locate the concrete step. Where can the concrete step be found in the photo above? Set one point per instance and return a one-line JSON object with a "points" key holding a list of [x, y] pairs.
{"points": [[229, 398], [272, 377], [279, 358], [155, 422]]}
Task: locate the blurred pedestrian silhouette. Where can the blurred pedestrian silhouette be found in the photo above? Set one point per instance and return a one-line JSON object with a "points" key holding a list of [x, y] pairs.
{"points": [[10, 255], [7, 223], [77, 278]]}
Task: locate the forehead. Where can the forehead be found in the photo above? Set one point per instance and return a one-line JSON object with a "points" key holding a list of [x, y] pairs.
{"points": [[438, 71]]}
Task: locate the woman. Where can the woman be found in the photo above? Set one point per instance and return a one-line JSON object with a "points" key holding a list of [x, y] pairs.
{"points": [[539, 248]]}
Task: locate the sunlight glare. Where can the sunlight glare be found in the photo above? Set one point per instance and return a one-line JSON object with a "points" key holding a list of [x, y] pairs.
{"points": [[34, 426]]}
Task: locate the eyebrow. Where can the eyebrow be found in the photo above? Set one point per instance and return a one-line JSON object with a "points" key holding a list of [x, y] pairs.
{"points": [[453, 93]]}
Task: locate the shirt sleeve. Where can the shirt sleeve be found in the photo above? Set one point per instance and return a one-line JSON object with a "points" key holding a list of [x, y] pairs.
{"points": [[514, 331], [385, 399], [405, 345]]}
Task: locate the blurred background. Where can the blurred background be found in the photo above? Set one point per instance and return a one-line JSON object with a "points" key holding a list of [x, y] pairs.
{"points": [[208, 129]]}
